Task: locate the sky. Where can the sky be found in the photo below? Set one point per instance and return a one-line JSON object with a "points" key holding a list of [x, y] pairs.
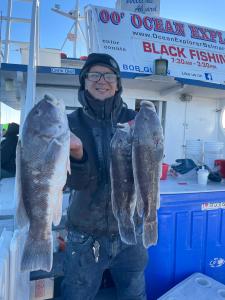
{"points": [[54, 27]]}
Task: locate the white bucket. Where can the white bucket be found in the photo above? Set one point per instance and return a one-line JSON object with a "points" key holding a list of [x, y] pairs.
{"points": [[203, 176]]}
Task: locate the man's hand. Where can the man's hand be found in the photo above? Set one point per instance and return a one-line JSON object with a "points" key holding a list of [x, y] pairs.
{"points": [[76, 147]]}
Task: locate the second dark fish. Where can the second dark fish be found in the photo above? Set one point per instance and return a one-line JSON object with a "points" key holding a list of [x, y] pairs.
{"points": [[147, 154], [122, 183]]}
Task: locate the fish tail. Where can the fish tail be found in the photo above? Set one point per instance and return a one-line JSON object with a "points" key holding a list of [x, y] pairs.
{"points": [[150, 233], [127, 232], [37, 255]]}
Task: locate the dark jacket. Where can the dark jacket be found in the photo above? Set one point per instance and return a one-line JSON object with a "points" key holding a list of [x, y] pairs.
{"points": [[8, 148], [91, 208]]}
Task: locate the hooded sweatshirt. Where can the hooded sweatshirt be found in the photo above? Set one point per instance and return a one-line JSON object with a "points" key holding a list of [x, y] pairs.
{"points": [[90, 210]]}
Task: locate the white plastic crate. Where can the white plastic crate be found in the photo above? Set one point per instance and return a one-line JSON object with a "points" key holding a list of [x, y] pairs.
{"points": [[7, 199], [7, 224], [19, 281], [5, 240], [7, 204], [196, 287]]}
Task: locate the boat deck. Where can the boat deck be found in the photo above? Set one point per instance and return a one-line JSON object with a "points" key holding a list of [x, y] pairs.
{"points": [[106, 294], [103, 294]]}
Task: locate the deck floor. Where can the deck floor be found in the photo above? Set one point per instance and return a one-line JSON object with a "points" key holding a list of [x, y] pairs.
{"points": [[106, 294], [103, 294]]}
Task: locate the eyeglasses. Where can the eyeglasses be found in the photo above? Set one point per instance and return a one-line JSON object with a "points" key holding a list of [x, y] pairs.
{"points": [[96, 76]]}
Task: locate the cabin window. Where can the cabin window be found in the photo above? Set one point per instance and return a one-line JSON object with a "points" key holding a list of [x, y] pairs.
{"points": [[160, 107]]}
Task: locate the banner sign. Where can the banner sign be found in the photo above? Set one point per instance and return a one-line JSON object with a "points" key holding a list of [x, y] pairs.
{"points": [[136, 40], [148, 7]]}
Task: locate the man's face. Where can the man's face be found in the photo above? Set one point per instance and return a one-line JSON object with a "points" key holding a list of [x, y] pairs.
{"points": [[101, 89]]}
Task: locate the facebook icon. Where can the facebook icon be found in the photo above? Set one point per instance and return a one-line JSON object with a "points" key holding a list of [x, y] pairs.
{"points": [[208, 76]]}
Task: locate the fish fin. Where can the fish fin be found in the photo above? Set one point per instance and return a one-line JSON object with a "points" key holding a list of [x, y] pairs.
{"points": [[127, 233], [21, 214], [53, 152], [37, 255], [57, 209], [150, 233]]}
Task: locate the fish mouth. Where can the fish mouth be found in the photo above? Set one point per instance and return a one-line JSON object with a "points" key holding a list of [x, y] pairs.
{"points": [[148, 104], [54, 101]]}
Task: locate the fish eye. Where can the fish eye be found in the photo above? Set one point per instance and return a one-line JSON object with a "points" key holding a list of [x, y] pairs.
{"points": [[60, 126], [37, 112]]}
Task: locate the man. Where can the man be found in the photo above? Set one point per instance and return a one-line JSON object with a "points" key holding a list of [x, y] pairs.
{"points": [[8, 151], [94, 244]]}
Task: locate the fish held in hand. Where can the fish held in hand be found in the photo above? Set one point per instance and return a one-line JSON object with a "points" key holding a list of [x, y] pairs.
{"points": [[122, 183], [42, 163], [147, 154]]}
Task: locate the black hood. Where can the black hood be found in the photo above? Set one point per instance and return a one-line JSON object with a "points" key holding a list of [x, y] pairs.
{"points": [[108, 109], [13, 129], [100, 59]]}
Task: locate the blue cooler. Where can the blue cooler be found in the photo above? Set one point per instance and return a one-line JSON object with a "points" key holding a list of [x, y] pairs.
{"points": [[191, 239]]}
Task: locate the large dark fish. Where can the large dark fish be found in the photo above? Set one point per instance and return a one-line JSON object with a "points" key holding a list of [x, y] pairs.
{"points": [[147, 154], [42, 162], [122, 183]]}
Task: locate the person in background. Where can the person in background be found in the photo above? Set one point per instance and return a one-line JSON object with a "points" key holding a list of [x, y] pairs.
{"points": [[93, 242], [8, 151], [3, 132]]}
